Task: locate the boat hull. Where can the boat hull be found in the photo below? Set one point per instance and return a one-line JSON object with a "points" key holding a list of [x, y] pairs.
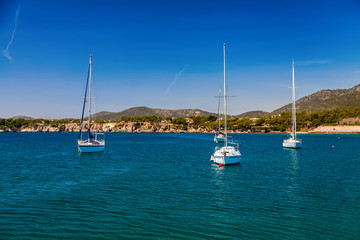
{"points": [[89, 148], [226, 160], [226, 156], [296, 144]]}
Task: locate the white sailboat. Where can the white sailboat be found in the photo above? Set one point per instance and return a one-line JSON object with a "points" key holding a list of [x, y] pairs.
{"points": [[293, 142], [92, 142], [219, 136], [229, 153]]}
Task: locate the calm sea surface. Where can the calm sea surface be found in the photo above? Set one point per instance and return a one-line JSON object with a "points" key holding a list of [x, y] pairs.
{"points": [[163, 186]]}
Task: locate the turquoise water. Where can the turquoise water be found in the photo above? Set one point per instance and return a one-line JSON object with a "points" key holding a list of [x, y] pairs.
{"points": [[162, 186]]}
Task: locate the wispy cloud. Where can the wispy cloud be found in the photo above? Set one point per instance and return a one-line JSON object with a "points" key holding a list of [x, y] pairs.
{"points": [[312, 62], [6, 52], [175, 79]]}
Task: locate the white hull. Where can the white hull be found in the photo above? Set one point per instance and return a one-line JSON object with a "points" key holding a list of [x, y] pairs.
{"points": [[92, 145], [226, 156], [292, 143], [88, 148]]}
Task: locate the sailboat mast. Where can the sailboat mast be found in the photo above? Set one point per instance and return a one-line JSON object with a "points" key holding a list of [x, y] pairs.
{"points": [[90, 92], [293, 103], [219, 123], [225, 107], [82, 115]]}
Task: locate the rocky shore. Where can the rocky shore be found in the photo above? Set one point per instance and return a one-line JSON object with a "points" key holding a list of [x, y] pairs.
{"points": [[162, 127], [127, 127]]}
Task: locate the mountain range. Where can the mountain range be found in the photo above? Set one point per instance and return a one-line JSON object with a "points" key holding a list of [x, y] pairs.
{"points": [[326, 99]]}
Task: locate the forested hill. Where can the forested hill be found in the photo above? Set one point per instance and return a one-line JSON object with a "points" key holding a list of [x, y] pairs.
{"points": [[257, 113], [145, 111], [326, 100]]}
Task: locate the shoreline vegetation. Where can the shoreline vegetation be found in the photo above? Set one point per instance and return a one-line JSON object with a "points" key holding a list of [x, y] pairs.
{"points": [[346, 121]]}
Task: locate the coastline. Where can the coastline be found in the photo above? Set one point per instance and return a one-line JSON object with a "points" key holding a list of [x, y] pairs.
{"points": [[166, 127]]}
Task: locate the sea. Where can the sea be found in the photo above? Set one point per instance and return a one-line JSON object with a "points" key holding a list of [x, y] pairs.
{"points": [[163, 186]]}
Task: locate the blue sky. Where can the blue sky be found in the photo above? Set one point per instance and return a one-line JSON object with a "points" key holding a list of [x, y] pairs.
{"points": [[168, 54]]}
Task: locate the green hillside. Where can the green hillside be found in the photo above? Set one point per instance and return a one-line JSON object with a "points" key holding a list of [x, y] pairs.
{"points": [[252, 114], [326, 100], [145, 111]]}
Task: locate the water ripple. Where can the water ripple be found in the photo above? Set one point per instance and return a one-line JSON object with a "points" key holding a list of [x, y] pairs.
{"points": [[162, 186]]}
